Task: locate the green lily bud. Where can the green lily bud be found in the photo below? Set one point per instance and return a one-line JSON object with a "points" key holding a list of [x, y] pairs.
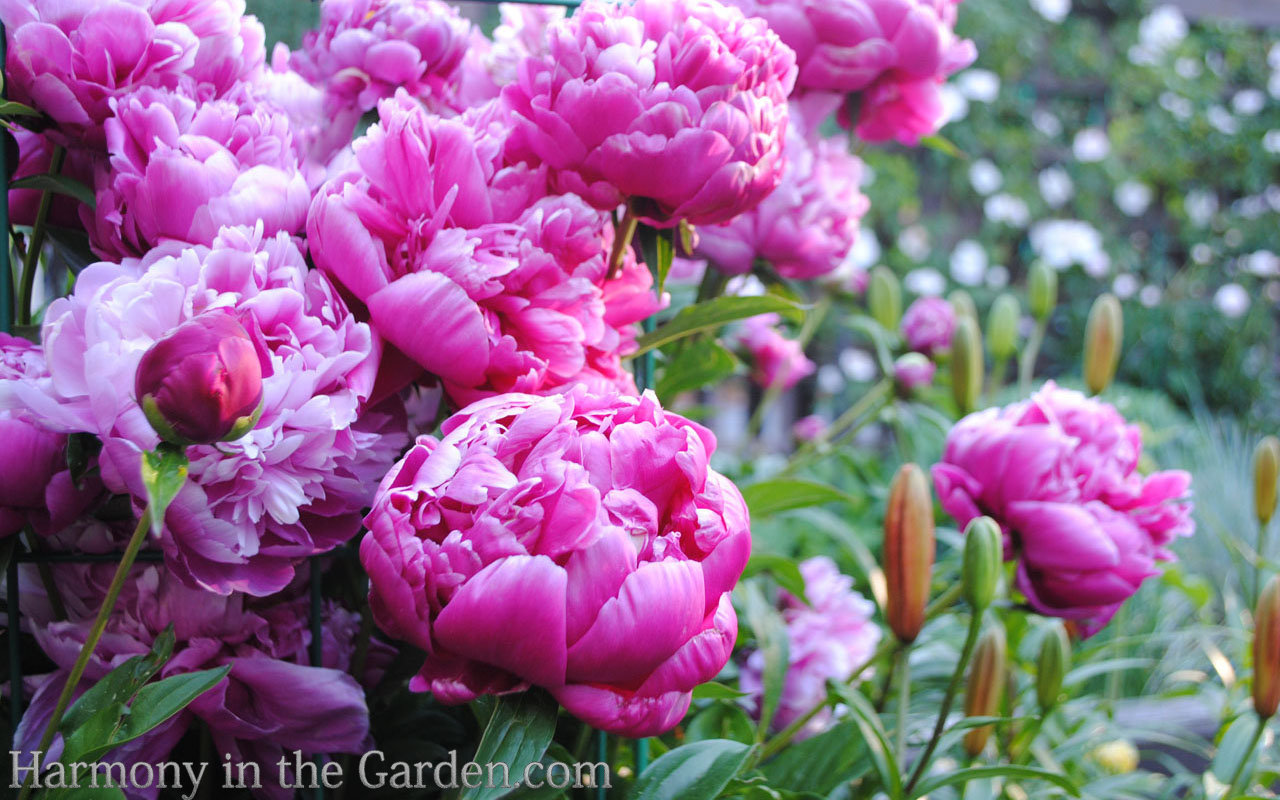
{"points": [[1103, 337], [1002, 326], [986, 686], [1052, 666], [962, 302], [884, 298], [909, 548], [966, 363], [1119, 757], [983, 554], [1266, 470], [1266, 651], [1042, 290]]}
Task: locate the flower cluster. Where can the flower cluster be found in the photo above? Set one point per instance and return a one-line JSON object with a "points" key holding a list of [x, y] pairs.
{"points": [[776, 360]]}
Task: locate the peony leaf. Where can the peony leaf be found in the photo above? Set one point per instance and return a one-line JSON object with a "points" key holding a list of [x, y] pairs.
{"points": [[11, 108], [771, 638], [772, 497], [58, 184], [697, 771], [712, 314], [517, 734], [716, 691], [722, 719], [784, 571], [821, 763], [876, 739], [962, 776], [658, 253], [696, 363], [164, 471]]}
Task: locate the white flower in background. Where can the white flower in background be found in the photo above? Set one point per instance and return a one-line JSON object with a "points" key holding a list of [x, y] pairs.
{"points": [[1250, 207], [1150, 296], [1188, 67], [955, 106], [914, 242], [1055, 186], [1271, 141], [745, 286], [1273, 56], [1053, 10], [1046, 122], [1176, 105], [1273, 85], [1091, 144], [1133, 197], [1063, 243], [1248, 102], [865, 251], [985, 176], [1007, 209], [1262, 263], [1232, 300], [1272, 194], [1201, 253], [997, 277], [830, 379], [1233, 237], [1201, 205], [979, 85], [1222, 119], [1215, 62], [1124, 286], [1272, 291], [925, 282], [857, 365], [868, 176], [1163, 29], [968, 262]]}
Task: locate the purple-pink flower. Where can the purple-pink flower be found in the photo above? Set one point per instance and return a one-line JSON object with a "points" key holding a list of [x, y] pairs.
{"points": [[913, 371], [807, 226], [775, 359], [1059, 473], [576, 542], [810, 428], [831, 638], [296, 483], [928, 324], [674, 107]]}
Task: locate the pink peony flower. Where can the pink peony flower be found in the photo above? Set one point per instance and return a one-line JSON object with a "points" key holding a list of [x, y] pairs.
{"points": [[490, 65], [296, 483], [775, 358], [576, 542], [71, 59], [810, 428], [830, 638], [676, 107], [179, 170], [1059, 473], [913, 371], [807, 227], [928, 325], [319, 131]]}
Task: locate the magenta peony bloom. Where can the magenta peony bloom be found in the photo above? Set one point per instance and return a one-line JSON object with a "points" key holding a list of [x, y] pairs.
{"points": [[292, 486], [179, 170], [319, 131], [71, 59], [273, 701], [1059, 473], [830, 638], [913, 371], [576, 542], [676, 107], [928, 325], [807, 227], [775, 358], [810, 428]]}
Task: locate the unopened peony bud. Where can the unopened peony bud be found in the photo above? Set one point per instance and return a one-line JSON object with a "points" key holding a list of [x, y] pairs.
{"points": [[686, 239], [1118, 757], [983, 554], [1042, 290], [1266, 470], [201, 382], [912, 371], [1266, 651], [884, 298], [962, 302], [966, 363], [986, 687], [1052, 666], [1002, 326], [1103, 337], [909, 549]]}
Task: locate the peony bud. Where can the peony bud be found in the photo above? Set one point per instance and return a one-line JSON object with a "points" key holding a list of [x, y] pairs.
{"points": [[1119, 757], [983, 554], [908, 551], [1042, 290], [1266, 469], [1052, 666], [966, 363], [884, 298], [201, 382], [912, 371], [1002, 326], [1266, 651], [962, 302], [986, 687], [1103, 336]]}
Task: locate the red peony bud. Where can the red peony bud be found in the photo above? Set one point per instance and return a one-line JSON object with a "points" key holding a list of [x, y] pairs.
{"points": [[201, 382]]}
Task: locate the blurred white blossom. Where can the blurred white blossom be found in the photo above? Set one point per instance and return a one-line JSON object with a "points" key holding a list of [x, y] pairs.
{"points": [[1133, 197], [1201, 253], [1046, 122], [997, 276], [1271, 141], [1053, 10], [865, 251], [913, 241], [925, 282], [979, 85], [1091, 144], [1007, 209], [830, 379], [1124, 286], [1187, 67], [1262, 263], [955, 106], [1176, 105], [1223, 120], [968, 262], [1055, 186], [1150, 296], [1248, 102], [1201, 205], [857, 365], [1066, 242], [1232, 300], [985, 176]]}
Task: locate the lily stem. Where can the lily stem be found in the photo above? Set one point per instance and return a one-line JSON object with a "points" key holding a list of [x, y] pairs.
{"points": [[36, 243]]}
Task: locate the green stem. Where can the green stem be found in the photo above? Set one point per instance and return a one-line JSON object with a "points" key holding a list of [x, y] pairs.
{"points": [[622, 235], [90, 643], [998, 371], [1234, 787], [775, 389], [846, 425], [58, 607], [1027, 363], [903, 658], [36, 244], [971, 639]]}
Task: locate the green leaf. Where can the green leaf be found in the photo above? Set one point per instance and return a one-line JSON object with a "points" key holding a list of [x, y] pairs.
{"points": [[517, 734], [784, 494], [721, 720], [821, 763], [658, 252], [999, 771], [555, 754], [876, 739], [1234, 747], [10, 108], [58, 184], [943, 145], [696, 363], [1085, 672], [784, 571], [697, 771], [164, 470], [716, 691], [711, 315], [103, 702], [772, 641]]}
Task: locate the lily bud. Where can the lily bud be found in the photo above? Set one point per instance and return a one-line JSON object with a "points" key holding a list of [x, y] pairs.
{"points": [[983, 554], [201, 382], [1119, 757], [884, 298], [1266, 469], [986, 687], [1103, 336], [966, 363], [1266, 651], [909, 548], [962, 303], [1002, 326], [1042, 290], [1052, 666], [912, 371]]}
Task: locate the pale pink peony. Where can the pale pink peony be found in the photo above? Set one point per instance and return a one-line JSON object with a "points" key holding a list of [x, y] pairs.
{"points": [[70, 59], [675, 107], [490, 65], [295, 484], [576, 542], [1059, 473], [776, 360]]}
